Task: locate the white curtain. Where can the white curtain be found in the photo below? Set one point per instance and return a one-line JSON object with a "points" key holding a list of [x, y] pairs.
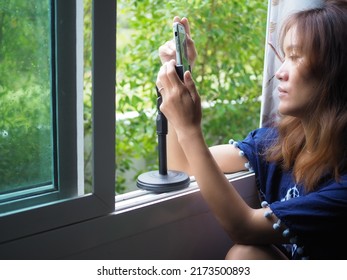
{"points": [[277, 11]]}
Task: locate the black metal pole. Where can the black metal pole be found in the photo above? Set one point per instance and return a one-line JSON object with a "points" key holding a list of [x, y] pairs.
{"points": [[162, 180], [162, 131]]}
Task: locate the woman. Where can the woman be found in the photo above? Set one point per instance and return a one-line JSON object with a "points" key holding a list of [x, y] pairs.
{"points": [[300, 164]]}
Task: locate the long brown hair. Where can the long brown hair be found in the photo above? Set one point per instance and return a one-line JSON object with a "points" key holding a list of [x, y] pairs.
{"points": [[320, 151]]}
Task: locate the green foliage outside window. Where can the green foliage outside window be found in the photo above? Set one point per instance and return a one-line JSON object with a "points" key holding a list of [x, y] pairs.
{"points": [[25, 95], [230, 39]]}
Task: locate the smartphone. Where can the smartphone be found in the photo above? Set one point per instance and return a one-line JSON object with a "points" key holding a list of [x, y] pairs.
{"points": [[182, 63]]}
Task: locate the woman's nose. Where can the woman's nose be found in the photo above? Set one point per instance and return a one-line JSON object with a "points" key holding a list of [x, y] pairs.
{"points": [[281, 73]]}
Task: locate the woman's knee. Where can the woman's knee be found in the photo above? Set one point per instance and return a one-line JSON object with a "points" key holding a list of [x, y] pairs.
{"points": [[254, 252]]}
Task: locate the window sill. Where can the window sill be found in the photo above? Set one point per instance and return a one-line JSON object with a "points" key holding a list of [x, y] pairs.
{"points": [[142, 198]]}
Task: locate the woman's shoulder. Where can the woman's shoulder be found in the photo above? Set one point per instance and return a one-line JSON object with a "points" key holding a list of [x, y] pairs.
{"points": [[267, 130], [333, 184], [264, 134]]}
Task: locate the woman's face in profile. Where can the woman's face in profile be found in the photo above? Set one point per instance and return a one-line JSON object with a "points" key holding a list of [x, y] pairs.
{"points": [[297, 86]]}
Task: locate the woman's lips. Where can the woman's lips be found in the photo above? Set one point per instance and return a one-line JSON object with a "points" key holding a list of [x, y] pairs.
{"points": [[282, 92]]}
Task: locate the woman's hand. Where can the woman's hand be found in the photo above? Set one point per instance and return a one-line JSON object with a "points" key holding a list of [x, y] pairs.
{"points": [[167, 51], [180, 101]]}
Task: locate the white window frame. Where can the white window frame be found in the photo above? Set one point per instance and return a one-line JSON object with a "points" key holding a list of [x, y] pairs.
{"points": [[44, 212]]}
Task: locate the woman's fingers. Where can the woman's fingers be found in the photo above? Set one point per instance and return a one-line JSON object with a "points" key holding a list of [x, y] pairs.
{"points": [[172, 74], [192, 53], [189, 83], [185, 22], [176, 19], [168, 79], [167, 51], [162, 79]]}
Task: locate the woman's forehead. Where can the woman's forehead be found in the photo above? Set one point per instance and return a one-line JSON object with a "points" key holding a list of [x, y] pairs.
{"points": [[291, 40]]}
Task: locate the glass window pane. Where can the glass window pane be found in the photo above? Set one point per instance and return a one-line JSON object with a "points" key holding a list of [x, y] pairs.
{"points": [[26, 158], [228, 72], [87, 94]]}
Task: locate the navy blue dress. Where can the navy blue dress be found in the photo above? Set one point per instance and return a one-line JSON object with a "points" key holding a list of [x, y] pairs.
{"points": [[316, 220]]}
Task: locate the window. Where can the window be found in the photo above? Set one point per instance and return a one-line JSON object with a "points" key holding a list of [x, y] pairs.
{"points": [[230, 40], [79, 225], [26, 123], [55, 196]]}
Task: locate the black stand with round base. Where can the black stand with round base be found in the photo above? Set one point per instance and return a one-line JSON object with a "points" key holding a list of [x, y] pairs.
{"points": [[158, 183], [162, 180]]}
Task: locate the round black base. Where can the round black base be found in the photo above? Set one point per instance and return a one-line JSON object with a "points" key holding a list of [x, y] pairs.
{"points": [[155, 182]]}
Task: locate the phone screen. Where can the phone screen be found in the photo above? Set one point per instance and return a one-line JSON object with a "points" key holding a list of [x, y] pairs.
{"points": [[181, 46]]}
